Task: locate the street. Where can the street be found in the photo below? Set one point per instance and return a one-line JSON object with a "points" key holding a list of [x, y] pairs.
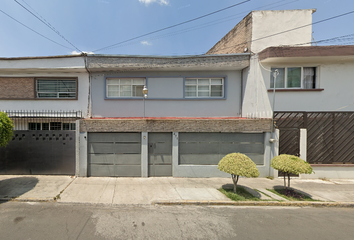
{"points": [[32, 220]]}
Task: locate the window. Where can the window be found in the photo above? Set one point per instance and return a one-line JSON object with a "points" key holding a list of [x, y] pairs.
{"points": [[204, 88], [52, 126], [56, 88], [294, 77], [124, 87]]}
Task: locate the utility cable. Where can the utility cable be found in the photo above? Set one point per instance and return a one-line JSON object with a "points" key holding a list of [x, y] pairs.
{"points": [[48, 25], [35, 31], [178, 24]]}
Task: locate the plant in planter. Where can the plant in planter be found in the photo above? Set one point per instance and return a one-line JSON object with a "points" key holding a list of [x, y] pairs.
{"points": [[238, 164], [290, 164]]}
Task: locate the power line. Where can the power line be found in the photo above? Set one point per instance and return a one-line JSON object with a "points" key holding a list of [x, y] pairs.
{"points": [[178, 24], [219, 21], [289, 30], [35, 31], [48, 25]]}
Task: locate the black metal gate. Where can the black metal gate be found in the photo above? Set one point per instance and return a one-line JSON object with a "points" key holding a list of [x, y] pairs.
{"points": [[39, 152]]}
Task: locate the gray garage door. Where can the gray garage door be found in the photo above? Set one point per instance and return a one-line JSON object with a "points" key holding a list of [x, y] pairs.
{"points": [[114, 154], [209, 148], [160, 154]]}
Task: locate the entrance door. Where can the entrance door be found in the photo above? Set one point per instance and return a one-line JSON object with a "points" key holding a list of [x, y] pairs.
{"points": [[160, 154]]}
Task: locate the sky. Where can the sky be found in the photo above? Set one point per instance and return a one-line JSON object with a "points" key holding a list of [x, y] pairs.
{"points": [[64, 27]]}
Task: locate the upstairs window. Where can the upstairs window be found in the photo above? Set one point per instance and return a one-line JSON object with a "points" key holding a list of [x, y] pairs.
{"points": [[294, 77], [56, 88], [124, 87], [204, 88]]}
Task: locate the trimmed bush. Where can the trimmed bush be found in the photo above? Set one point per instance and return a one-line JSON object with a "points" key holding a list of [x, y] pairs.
{"points": [[290, 164], [5, 129], [238, 164]]}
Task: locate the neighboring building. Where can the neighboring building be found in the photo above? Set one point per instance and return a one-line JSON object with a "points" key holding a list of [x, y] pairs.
{"points": [[44, 96], [313, 110]]}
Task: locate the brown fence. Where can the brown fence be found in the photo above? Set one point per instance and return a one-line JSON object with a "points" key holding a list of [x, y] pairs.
{"points": [[330, 135]]}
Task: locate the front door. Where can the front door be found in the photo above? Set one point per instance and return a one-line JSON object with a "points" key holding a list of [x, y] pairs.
{"points": [[160, 154]]}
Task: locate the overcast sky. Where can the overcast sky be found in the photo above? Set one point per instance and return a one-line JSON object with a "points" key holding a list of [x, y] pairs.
{"points": [[91, 25]]}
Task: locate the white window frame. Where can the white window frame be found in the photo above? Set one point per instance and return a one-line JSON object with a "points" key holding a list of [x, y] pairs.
{"points": [[209, 90], [301, 78], [119, 87], [57, 93]]}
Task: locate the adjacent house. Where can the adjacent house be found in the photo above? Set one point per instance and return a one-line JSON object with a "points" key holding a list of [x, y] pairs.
{"points": [[45, 97]]}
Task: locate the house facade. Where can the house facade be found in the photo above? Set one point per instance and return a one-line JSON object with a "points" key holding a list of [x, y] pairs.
{"points": [[190, 118], [45, 97]]}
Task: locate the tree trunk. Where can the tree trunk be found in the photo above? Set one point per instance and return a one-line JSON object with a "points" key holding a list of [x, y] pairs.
{"points": [[288, 180], [234, 180], [284, 181]]}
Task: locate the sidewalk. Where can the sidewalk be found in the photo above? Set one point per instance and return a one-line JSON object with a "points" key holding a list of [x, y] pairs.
{"points": [[164, 190]]}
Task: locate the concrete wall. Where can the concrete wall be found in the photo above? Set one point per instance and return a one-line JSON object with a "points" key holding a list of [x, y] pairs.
{"points": [[236, 40], [165, 97], [267, 23], [335, 78]]}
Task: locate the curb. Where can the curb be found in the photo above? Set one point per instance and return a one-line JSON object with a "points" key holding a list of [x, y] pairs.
{"points": [[258, 203], [25, 200]]}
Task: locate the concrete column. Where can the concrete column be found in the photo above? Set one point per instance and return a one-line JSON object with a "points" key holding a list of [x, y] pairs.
{"points": [[77, 148], [274, 153], [83, 154], [174, 152], [267, 155], [144, 154], [303, 144]]}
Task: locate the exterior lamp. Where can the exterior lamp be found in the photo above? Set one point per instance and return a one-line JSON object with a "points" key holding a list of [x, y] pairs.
{"points": [[145, 93]]}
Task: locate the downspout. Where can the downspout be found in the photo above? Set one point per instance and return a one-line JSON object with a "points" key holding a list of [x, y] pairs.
{"points": [[89, 104]]}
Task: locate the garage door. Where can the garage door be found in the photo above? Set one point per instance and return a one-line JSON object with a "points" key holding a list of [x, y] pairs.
{"points": [[209, 148], [114, 154], [160, 154]]}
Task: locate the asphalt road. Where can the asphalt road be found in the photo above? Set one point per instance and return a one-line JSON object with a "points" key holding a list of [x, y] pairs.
{"points": [[64, 221]]}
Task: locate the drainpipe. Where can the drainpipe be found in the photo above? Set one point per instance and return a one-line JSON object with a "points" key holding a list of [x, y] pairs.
{"points": [[89, 105]]}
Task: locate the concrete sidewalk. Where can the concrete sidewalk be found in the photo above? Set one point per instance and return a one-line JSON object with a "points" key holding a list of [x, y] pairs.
{"points": [[167, 190]]}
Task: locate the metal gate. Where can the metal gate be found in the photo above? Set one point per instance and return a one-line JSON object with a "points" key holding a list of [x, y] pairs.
{"points": [[114, 154], [39, 152], [160, 154]]}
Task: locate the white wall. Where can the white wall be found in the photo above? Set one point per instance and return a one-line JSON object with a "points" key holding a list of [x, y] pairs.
{"points": [[266, 23], [335, 78]]}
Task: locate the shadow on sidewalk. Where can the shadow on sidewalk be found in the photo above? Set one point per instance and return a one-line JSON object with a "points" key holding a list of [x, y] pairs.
{"points": [[15, 187], [250, 190]]}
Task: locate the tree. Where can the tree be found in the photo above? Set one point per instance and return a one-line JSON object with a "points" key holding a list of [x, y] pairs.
{"points": [[6, 127], [290, 164], [238, 164]]}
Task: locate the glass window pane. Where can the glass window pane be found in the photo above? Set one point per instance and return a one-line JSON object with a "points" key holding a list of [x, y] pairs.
{"points": [[191, 88], [138, 91], [294, 77], [216, 81], [66, 126], [125, 94], [125, 82], [190, 94], [280, 78], [138, 81], [203, 94], [309, 77], [113, 94], [113, 87], [191, 81], [125, 88], [47, 95], [216, 91], [112, 81], [205, 88], [203, 81], [55, 126], [73, 126]]}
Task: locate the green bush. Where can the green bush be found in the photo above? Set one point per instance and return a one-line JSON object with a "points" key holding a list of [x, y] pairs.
{"points": [[5, 129], [238, 164], [290, 164]]}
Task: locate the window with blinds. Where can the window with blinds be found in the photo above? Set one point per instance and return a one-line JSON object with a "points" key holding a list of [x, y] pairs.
{"points": [[56, 88]]}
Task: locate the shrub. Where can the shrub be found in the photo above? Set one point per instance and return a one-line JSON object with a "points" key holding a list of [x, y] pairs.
{"points": [[238, 164], [290, 164], [5, 129]]}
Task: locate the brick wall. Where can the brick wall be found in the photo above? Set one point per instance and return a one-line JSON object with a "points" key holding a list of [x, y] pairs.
{"points": [[16, 88], [236, 40], [178, 125]]}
